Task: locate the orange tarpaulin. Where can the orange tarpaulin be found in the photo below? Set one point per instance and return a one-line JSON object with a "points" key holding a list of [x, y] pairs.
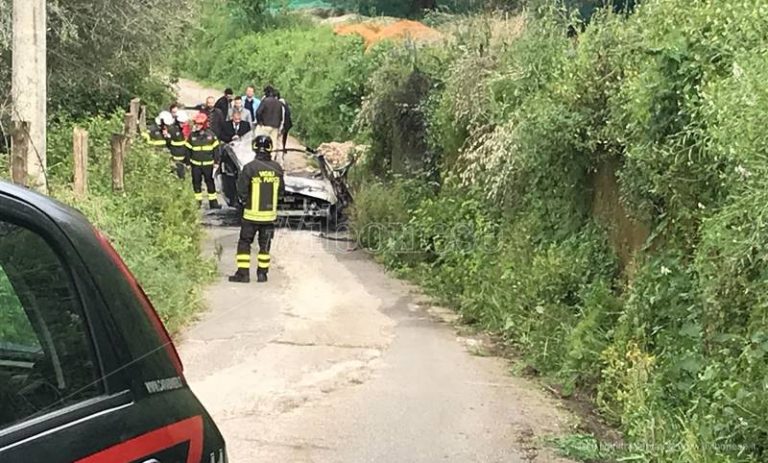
{"points": [[373, 33]]}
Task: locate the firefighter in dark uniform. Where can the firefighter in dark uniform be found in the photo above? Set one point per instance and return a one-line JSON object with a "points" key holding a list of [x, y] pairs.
{"points": [[259, 187], [155, 134], [204, 154], [177, 144]]}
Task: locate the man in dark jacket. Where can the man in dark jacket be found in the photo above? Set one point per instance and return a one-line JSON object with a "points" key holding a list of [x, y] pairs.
{"points": [[215, 116], [269, 116], [225, 101], [259, 187], [235, 129]]}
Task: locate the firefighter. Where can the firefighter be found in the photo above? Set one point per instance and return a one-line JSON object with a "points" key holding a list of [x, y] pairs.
{"points": [[177, 144], [155, 136], [204, 154], [259, 187]]}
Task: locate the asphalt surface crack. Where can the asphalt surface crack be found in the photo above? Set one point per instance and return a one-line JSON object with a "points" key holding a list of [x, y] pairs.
{"points": [[289, 445], [312, 344]]}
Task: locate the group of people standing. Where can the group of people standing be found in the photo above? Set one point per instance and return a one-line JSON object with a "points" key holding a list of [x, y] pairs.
{"points": [[260, 185], [197, 143], [233, 116]]}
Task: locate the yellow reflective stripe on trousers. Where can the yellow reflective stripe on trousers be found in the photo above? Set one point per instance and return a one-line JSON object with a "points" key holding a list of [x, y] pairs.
{"points": [[264, 261], [179, 158], [213, 197], [201, 163], [244, 261], [199, 196], [179, 143]]}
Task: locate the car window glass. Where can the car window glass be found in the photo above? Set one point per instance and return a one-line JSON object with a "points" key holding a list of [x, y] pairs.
{"points": [[46, 354], [15, 329]]}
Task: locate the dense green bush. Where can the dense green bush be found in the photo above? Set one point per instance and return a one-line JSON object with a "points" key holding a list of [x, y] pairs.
{"points": [[671, 344], [394, 112]]}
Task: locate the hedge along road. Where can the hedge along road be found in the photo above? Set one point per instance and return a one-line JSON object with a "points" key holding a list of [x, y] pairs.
{"points": [[335, 361]]}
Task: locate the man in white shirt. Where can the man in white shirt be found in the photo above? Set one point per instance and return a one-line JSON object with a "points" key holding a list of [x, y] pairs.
{"points": [[251, 103]]}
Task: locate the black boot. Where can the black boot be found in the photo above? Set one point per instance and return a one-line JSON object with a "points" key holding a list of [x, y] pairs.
{"points": [[261, 277], [199, 204], [241, 276], [214, 204]]}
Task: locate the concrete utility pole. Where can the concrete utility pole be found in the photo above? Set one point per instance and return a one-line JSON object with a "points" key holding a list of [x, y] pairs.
{"points": [[29, 86]]}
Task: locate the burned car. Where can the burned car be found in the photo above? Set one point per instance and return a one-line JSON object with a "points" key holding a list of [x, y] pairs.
{"points": [[314, 190]]}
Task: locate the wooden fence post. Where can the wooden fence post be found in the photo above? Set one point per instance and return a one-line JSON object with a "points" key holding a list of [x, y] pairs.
{"points": [[119, 142], [80, 154], [19, 152], [129, 127], [135, 111]]}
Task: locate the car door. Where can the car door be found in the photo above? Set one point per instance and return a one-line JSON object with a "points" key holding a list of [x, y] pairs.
{"points": [[64, 395]]}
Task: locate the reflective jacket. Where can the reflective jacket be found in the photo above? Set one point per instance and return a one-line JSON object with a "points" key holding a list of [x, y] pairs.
{"points": [[260, 186], [203, 148], [177, 143], [154, 136]]}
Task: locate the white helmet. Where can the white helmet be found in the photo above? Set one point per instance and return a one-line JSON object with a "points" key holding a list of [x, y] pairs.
{"points": [[166, 117], [182, 117]]}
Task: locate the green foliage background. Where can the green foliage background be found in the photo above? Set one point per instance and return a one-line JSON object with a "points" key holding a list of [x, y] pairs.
{"points": [[672, 343], [102, 53]]}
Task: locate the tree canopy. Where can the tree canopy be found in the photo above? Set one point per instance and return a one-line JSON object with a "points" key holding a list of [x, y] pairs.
{"points": [[101, 53]]}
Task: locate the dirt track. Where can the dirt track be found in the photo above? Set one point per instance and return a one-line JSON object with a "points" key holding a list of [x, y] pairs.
{"points": [[336, 361]]}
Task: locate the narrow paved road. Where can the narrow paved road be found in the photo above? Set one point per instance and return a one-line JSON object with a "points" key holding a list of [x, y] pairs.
{"points": [[335, 361]]}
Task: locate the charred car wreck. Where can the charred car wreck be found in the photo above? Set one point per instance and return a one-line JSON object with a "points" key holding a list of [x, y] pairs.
{"points": [[321, 193]]}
